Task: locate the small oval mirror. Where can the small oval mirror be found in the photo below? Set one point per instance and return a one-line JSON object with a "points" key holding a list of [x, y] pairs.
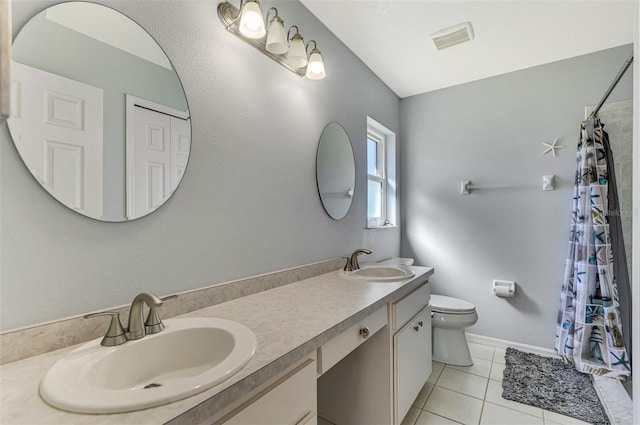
{"points": [[335, 171], [99, 115]]}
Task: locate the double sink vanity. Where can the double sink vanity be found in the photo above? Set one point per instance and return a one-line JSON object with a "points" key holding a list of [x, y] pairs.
{"points": [[349, 346], [346, 346]]}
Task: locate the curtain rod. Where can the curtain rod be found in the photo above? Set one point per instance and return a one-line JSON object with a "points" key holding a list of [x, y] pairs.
{"points": [[625, 66]]}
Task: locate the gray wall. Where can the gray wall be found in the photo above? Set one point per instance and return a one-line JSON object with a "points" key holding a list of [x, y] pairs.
{"points": [[248, 203], [491, 132]]}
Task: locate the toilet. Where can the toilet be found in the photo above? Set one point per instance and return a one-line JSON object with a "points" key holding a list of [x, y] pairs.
{"points": [[449, 318], [397, 262]]}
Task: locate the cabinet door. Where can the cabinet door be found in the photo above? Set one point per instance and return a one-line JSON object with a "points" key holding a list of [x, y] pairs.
{"points": [[291, 401], [412, 361]]}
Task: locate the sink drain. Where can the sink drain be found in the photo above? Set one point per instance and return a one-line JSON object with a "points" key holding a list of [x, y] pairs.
{"points": [[152, 385]]}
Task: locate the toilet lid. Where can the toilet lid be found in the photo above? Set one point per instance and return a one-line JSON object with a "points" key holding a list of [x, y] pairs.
{"points": [[440, 303]]}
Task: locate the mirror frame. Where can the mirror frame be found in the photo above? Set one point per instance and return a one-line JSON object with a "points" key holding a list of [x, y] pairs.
{"points": [[5, 54]]}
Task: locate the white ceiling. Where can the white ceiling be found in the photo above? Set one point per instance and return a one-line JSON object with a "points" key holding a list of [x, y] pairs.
{"points": [[392, 37], [110, 27]]}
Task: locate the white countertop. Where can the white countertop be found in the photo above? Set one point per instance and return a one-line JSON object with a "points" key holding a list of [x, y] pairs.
{"points": [[289, 322]]}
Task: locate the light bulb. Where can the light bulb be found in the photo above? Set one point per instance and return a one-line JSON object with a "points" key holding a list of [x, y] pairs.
{"points": [[251, 21], [297, 56], [315, 68], [276, 38]]}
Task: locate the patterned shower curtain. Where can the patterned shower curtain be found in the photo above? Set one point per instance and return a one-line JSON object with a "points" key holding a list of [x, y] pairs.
{"points": [[590, 331]]}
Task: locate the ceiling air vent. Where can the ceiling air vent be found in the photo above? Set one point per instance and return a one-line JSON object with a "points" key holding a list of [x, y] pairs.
{"points": [[453, 35]]}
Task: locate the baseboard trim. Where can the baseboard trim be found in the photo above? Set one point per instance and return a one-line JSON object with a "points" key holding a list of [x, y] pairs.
{"points": [[502, 343]]}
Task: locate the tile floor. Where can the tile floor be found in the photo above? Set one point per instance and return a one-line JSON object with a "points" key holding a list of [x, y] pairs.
{"points": [[473, 395]]}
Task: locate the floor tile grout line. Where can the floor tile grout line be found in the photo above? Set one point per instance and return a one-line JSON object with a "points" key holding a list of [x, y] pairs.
{"points": [[439, 415], [514, 410], [433, 413], [453, 391], [481, 412], [458, 392], [470, 373], [484, 398], [438, 377], [490, 373]]}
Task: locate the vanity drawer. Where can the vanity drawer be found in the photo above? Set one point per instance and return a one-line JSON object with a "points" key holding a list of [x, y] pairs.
{"points": [[407, 307], [338, 348]]}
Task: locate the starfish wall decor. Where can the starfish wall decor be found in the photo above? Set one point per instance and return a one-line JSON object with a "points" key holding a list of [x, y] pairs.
{"points": [[552, 147]]}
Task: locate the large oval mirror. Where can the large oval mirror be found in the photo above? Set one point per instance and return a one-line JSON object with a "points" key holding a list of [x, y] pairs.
{"points": [[335, 171], [99, 115]]}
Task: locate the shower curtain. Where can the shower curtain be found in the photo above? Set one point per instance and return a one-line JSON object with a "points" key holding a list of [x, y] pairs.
{"points": [[590, 329]]}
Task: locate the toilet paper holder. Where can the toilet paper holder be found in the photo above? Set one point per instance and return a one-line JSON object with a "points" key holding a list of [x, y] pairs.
{"points": [[504, 288]]}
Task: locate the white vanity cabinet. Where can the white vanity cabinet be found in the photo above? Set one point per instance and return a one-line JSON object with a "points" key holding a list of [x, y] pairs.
{"points": [[375, 381], [411, 319], [289, 400]]}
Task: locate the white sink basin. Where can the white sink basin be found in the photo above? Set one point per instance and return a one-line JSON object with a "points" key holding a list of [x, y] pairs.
{"points": [[380, 273], [191, 355]]}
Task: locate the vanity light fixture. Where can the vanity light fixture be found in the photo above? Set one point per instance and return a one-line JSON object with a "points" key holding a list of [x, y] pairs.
{"points": [[288, 49]]}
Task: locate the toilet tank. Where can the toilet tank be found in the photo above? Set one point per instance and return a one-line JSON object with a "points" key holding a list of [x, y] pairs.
{"points": [[398, 261]]}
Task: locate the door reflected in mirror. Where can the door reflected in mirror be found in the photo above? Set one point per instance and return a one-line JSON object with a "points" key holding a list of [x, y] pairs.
{"points": [[98, 113], [335, 171]]}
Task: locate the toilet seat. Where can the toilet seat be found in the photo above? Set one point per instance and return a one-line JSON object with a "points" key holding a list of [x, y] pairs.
{"points": [[449, 319], [450, 305]]}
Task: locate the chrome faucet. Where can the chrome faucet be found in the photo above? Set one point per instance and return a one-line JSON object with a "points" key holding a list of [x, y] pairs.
{"points": [[135, 328], [352, 262], [138, 327]]}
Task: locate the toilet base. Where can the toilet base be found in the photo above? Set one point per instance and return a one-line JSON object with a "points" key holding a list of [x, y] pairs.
{"points": [[450, 347]]}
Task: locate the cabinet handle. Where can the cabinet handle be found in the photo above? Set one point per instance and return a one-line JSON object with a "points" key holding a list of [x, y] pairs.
{"points": [[420, 323], [115, 334], [416, 328], [364, 332], [433, 315]]}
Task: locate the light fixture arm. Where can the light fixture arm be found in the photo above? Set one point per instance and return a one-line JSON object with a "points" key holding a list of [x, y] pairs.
{"points": [[275, 16], [315, 46], [236, 19], [289, 37]]}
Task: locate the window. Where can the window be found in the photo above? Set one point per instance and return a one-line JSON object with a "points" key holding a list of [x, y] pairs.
{"points": [[376, 182], [381, 193]]}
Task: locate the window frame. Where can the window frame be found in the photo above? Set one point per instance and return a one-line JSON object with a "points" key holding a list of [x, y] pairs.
{"points": [[387, 141], [381, 178]]}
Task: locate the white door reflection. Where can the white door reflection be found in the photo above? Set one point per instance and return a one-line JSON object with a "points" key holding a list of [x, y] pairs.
{"points": [[58, 126], [158, 143]]}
